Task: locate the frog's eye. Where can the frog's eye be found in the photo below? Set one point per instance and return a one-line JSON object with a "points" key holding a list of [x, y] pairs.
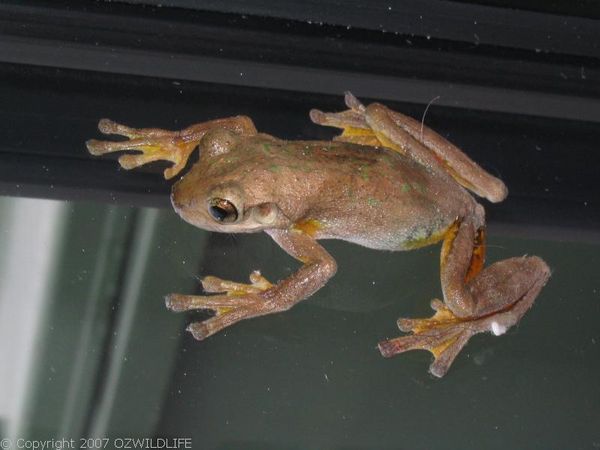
{"points": [[222, 210]]}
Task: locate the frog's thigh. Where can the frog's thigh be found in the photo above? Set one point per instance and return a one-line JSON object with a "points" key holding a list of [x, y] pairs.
{"points": [[407, 136], [390, 134]]}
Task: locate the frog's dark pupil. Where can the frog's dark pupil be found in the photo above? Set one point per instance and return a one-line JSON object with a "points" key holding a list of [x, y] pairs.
{"points": [[222, 210], [218, 213]]}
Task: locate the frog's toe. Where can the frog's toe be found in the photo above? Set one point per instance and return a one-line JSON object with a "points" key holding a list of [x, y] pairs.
{"points": [[96, 147], [107, 126], [177, 303], [445, 355], [218, 303], [353, 103], [317, 116], [208, 327], [199, 330], [228, 310], [258, 284], [345, 119]]}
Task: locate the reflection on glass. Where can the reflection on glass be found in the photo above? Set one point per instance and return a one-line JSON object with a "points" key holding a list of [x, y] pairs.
{"points": [[92, 351]]}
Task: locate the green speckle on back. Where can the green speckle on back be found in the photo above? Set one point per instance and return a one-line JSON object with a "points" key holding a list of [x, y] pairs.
{"points": [[364, 172], [419, 187], [288, 149], [266, 148], [301, 167], [407, 187]]}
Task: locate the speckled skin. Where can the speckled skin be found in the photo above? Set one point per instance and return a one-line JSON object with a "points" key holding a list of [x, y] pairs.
{"points": [[387, 182], [374, 197]]}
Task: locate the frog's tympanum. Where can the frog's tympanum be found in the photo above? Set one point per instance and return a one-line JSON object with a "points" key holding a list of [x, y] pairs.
{"points": [[387, 182]]}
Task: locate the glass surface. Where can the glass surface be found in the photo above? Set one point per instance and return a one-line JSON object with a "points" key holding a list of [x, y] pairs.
{"points": [[312, 378], [89, 251], [108, 359]]}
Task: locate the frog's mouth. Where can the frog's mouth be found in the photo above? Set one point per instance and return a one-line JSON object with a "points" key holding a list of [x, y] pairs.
{"points": [[182, 208], [194, 212]]}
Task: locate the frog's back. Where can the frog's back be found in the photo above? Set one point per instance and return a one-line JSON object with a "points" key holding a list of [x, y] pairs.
{"points": [[381, 199], [372, 196]]}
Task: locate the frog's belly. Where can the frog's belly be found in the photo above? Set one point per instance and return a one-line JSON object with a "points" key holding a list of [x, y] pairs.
{"points": [[400, 240], [395, 219], [395, 235]]}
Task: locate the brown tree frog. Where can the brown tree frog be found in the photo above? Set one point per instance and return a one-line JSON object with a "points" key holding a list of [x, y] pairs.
{"points": [[387, 182]]}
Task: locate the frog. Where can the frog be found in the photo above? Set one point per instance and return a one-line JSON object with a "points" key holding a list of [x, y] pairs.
{"points": [[387, 182]]}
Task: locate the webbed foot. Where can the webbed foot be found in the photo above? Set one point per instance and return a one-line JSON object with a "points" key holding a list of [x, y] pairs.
{"points": [[504, 292], [154, 145], [444, 335], [234, 302]]}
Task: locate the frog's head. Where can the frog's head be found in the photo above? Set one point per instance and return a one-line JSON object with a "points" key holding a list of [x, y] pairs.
{"points": [[222, 204]]}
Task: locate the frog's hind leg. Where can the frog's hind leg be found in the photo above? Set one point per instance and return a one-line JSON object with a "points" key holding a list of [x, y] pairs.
{"points": [[476, 300], [504, 292], [162, 145], [433, 150], [378, 125]]}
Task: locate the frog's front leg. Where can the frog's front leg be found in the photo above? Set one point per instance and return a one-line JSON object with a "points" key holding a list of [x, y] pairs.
{"points": [[162, 145], [243, 301], [475, 300]]}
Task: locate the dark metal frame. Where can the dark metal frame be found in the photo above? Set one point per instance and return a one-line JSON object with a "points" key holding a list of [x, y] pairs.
{"points": [[519, 90]]}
